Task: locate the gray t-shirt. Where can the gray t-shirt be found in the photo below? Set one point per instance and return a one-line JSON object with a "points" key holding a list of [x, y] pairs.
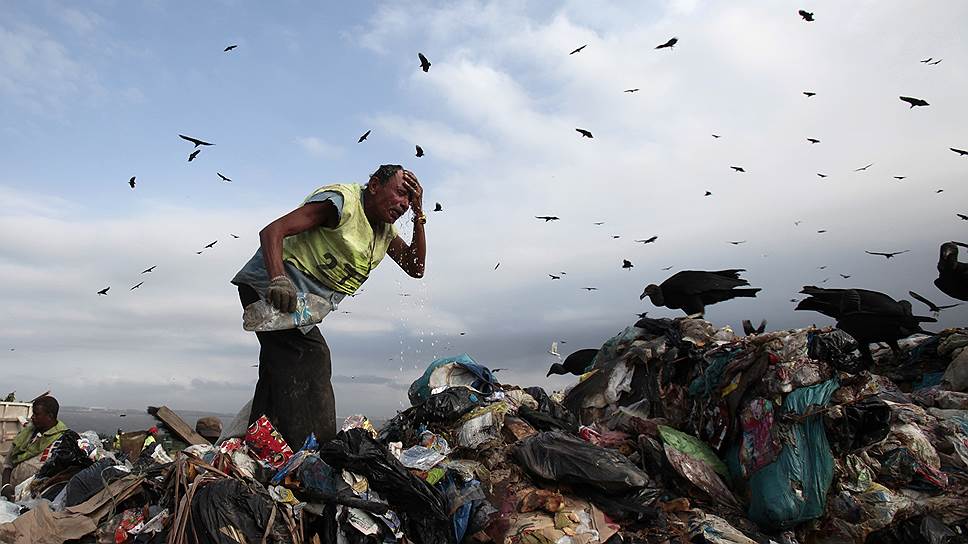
{"points": [[254, 272]]}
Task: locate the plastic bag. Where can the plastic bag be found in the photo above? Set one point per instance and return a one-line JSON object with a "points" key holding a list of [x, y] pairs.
{"points": [[863, 424], [836, 348], [261, 316], [442, 374], [901, 468], [448, 405], [86, 483], [8, 511], [229, 511], [558, 457]]}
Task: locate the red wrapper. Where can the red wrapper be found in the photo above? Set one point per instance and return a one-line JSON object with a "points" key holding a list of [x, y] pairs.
{"points": [[266, 444]]}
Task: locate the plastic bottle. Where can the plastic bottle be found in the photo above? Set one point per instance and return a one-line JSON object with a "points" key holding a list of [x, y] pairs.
{"points": [[261, 316]]}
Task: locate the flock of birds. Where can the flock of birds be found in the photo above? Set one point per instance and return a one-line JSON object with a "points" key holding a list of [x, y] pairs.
{"points": [[866, 315]]}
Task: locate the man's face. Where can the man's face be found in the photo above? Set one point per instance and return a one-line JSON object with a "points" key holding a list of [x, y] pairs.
{"points": [[41, 419], [391, 200]]}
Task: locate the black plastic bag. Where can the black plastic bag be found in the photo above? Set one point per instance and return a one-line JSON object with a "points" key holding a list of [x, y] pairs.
{"points": [[88, 482], [863, 424], [557, 457], [836, 348], [448, 405], [66, 455], [554, 409], [546, 422], [421, 508], [225, 510]]}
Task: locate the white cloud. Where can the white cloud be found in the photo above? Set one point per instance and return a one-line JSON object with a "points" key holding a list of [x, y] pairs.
{"points": [[318, 148], [37, 70]]}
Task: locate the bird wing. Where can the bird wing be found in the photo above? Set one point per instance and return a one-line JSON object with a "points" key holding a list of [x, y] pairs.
{"points": [[692, 282], [932, 306], [876, 253]]}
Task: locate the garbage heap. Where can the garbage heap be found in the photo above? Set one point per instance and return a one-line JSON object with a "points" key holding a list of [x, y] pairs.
{"points": [[680, 432]]}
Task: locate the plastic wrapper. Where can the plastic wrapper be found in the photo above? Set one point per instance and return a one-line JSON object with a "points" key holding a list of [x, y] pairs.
{"points": [[266, 444], [261, 316]]}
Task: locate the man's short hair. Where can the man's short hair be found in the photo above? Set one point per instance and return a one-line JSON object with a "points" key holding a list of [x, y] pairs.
{"points": [[49, 405], [385, 172]]}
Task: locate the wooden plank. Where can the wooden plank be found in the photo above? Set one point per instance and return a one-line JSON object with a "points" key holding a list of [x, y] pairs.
{"points": [[178, 427]]}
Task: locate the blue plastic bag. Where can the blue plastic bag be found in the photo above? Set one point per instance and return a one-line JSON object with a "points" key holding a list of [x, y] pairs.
{"points": [[461, 370]]}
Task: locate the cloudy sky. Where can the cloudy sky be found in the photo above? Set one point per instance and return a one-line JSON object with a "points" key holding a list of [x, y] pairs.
{"points": [[94, 93]]}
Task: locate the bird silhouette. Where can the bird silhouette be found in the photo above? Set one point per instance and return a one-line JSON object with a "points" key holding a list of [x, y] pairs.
{"points": [[147, 270], [716, 136], [616, 237], [961, 152], [819, 175], [952, 275], [864, 168], [632, 90], [886, 255], [935, 63], [193, 154], [627, 264], [578, 50], [962, 216], [927, 60], [576, 363], [195, 141], [131, 182], [104, 291], [420, 152], [198, 253], [136, 286], [806, 15], [229, 48], [931, 306], [670, 44], [598, 223], [749, 329], [497, 265], [209, 246], [666, 268], [738, 168], [363, 137], [708, 194], [822, 267], [821, 231], [234, 236], [809, 93], [554, 277], [914, 101], [692, 290], [438, 207], [584, 133], [738, 243], [813, 140], [648, 240], [797, 223], [845, 276], [899, 177], [590, 288], [225, 179], [546, 217], [424, 63], [868, 316], [939, 191]]}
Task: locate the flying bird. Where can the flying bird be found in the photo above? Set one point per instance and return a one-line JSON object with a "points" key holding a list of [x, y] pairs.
{"points": [[666, 268], [821, 175], [807, 16], [845, 276], [229, 48], [886, 255], [738, 243], [962, 216], [103, 291], [952, 275], [864, 168], [438, 207], [935, 309], [554, 350], [576, 363], [590, 288], [225, 179], [914, 101], [716, 136], [578, 50], [813, 140], [584, 133], [670, 44], [868, 316], [961, 152], [136, 286], [899, 177], [236, 236], [209, 246], [554, 277], [708, 194], [147, 270], [935, 63], [738, 168], [648, 240], [616, 236], [749, 329], [363, 137], [631, 90], [598, 223], [692, 290], [797, 223], [424, 63], [821, 231], [194, 154], [195, 141], [939, 191], [627, 264], [131, 182], [927, 60], [198, 253], [420, 152], [822, 267], [497, 265], [546, 217], [809, 93]]}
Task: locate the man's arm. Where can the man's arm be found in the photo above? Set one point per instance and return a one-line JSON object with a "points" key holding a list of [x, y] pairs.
{"points": [[299, 220], [412, 258]]}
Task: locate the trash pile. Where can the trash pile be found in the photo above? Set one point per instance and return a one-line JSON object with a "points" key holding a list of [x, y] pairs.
{"points": [[679, 432]]}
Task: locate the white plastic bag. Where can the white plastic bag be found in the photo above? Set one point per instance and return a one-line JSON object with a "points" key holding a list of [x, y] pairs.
{"points": [[261, 316]]}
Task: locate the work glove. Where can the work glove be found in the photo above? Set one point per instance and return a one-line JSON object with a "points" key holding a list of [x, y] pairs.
{"points": [[282, 294]]}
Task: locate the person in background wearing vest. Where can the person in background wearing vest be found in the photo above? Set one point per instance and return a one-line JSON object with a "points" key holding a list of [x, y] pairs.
{"points": [[25, 457], [327, 247]]}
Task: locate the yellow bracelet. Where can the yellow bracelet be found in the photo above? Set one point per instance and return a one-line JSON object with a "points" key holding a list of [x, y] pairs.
{"points": [[422, 218]]}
